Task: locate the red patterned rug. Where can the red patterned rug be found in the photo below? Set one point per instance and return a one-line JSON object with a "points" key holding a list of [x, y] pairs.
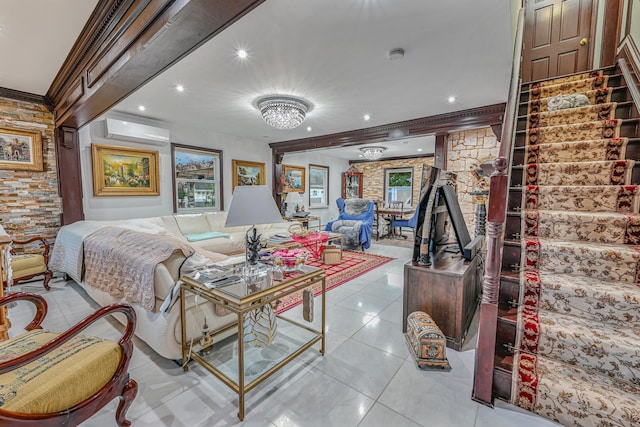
{"points": [[353, 264]]}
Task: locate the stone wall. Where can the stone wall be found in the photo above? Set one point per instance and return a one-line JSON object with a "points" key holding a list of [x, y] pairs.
{"points": [[29, 201], [373, 175], [466, 151]]}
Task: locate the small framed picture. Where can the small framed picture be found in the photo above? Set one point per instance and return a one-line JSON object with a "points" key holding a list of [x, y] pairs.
{"points": [[20, 149], [248, 173], [293, 178], [124, 171]]}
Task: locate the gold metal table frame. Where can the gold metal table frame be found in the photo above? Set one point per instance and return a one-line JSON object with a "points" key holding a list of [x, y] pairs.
{"points": [[242, 305]]}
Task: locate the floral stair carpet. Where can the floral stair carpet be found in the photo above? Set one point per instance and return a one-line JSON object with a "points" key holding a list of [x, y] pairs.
{"points": [[577, 355]]}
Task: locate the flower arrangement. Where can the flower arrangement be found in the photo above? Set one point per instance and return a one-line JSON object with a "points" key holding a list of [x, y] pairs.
{"points": [[289, 257]]}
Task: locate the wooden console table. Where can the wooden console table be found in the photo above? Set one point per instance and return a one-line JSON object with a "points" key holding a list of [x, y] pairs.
{"points": [[446, 290]]}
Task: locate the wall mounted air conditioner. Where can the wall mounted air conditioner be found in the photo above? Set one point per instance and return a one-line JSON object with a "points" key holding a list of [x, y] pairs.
{"points": [[136, 132]]}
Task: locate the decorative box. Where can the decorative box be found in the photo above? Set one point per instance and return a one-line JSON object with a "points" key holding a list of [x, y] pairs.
{"points": [[332, 255], [426, 341]]}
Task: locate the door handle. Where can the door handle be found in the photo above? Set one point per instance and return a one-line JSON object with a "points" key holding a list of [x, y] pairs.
{"points": [[584, 41]]}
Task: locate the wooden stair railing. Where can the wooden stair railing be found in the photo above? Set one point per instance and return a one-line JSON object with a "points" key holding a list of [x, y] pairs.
{"points": [[496, 216]]}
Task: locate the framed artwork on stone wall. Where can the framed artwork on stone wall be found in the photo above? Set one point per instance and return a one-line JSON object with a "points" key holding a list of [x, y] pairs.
{"points": [[124, 171], [20, 149]]}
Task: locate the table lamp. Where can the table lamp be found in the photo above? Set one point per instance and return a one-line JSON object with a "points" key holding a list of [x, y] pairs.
{"points": [[294, 200], [252, 205]]}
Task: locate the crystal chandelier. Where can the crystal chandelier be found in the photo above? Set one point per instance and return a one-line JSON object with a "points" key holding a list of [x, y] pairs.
{"points": [[283, 112], [373, 152]]}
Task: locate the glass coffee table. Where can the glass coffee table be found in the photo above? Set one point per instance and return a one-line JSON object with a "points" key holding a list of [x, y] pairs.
{"points": [[238, 364]]}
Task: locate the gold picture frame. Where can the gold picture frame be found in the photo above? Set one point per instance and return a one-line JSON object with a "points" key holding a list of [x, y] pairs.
{"points": [[247, 173], [20, 149], [124, 171], [293, 179]]}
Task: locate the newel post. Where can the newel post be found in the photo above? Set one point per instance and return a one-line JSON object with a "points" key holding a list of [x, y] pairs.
{"points": [[483, 379]]}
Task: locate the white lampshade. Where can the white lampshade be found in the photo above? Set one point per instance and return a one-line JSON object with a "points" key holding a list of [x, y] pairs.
{"points": [[252, 205]]}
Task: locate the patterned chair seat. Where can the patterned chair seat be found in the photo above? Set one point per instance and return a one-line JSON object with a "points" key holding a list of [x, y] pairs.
{"points": [[59, 380]]}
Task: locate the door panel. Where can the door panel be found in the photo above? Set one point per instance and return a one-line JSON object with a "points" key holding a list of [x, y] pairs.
{"points": [[542, 27], [540, 68], [552, 34]]}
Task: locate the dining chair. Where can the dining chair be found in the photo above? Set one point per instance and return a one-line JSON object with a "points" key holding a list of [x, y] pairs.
{"points": [[407, 222], [394, 205]]}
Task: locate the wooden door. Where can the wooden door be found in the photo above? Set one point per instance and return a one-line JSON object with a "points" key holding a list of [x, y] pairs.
{"points": [[557, 38]]}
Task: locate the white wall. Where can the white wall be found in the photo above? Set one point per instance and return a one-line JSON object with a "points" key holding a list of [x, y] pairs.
{"points": [[109, 208], [336, 167]]}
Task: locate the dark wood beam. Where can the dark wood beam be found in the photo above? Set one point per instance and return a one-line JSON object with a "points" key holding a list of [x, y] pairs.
{"points": [[126, 43], [438, 124], [417, 156]]}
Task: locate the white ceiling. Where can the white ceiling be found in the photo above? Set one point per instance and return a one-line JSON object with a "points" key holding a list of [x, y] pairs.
{"points": [[35, 39], [331, 52]]}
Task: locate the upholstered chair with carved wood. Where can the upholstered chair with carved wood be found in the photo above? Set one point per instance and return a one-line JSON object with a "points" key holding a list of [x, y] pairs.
{"points": [[27, 264], [61, 379]]}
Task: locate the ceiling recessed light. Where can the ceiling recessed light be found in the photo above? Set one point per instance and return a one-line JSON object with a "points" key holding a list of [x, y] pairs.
{"points": [[309, 129], [180, 88], [419, 149], [451, 99], [242, 53], [141, 107], [367, 117]]}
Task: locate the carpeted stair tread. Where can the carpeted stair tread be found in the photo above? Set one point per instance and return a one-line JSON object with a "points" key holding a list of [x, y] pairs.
{"points": [[573, 396], [599, 227], [589, 113], [606, 172], [574, 132], [597, 260], [590, 198], [567, 79], [577, 151], [598, 347], [544, 90], [597, 96], [613, 303]]}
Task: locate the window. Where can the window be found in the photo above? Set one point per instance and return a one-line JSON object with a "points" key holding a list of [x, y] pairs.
{"points": [[318, 186], [398, 184], [197, 179]]}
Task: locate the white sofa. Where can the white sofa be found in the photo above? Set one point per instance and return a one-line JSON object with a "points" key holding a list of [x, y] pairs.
{"points": [[161, 329]]}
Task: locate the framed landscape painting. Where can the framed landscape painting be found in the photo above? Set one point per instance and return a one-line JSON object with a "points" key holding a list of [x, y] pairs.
{"points": [[124, 171], [20, 149], [293, 178], [248, 173], [197, 179]]}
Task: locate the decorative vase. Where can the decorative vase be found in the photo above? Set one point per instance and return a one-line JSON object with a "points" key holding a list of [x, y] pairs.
{"points": [[260, 327]]}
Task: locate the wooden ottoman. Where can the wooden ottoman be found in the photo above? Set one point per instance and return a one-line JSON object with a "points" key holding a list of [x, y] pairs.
{"points": [[426, 342]]}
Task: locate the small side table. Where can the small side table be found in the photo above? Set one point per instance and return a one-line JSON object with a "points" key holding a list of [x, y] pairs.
{"points": [[305, 221]]}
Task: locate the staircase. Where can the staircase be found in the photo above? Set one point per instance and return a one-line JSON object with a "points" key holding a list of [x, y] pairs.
{"points": [[568, 330]]}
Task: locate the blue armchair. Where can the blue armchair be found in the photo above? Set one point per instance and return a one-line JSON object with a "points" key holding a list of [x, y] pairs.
{"points": [[355, 221]]}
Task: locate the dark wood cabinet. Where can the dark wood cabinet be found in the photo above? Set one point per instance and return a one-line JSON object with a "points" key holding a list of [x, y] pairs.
{"points": [[446, 290], [352, 184]]}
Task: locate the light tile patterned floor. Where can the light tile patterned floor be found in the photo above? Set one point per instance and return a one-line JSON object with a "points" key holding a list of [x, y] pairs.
{"points": [[367, 377]]}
